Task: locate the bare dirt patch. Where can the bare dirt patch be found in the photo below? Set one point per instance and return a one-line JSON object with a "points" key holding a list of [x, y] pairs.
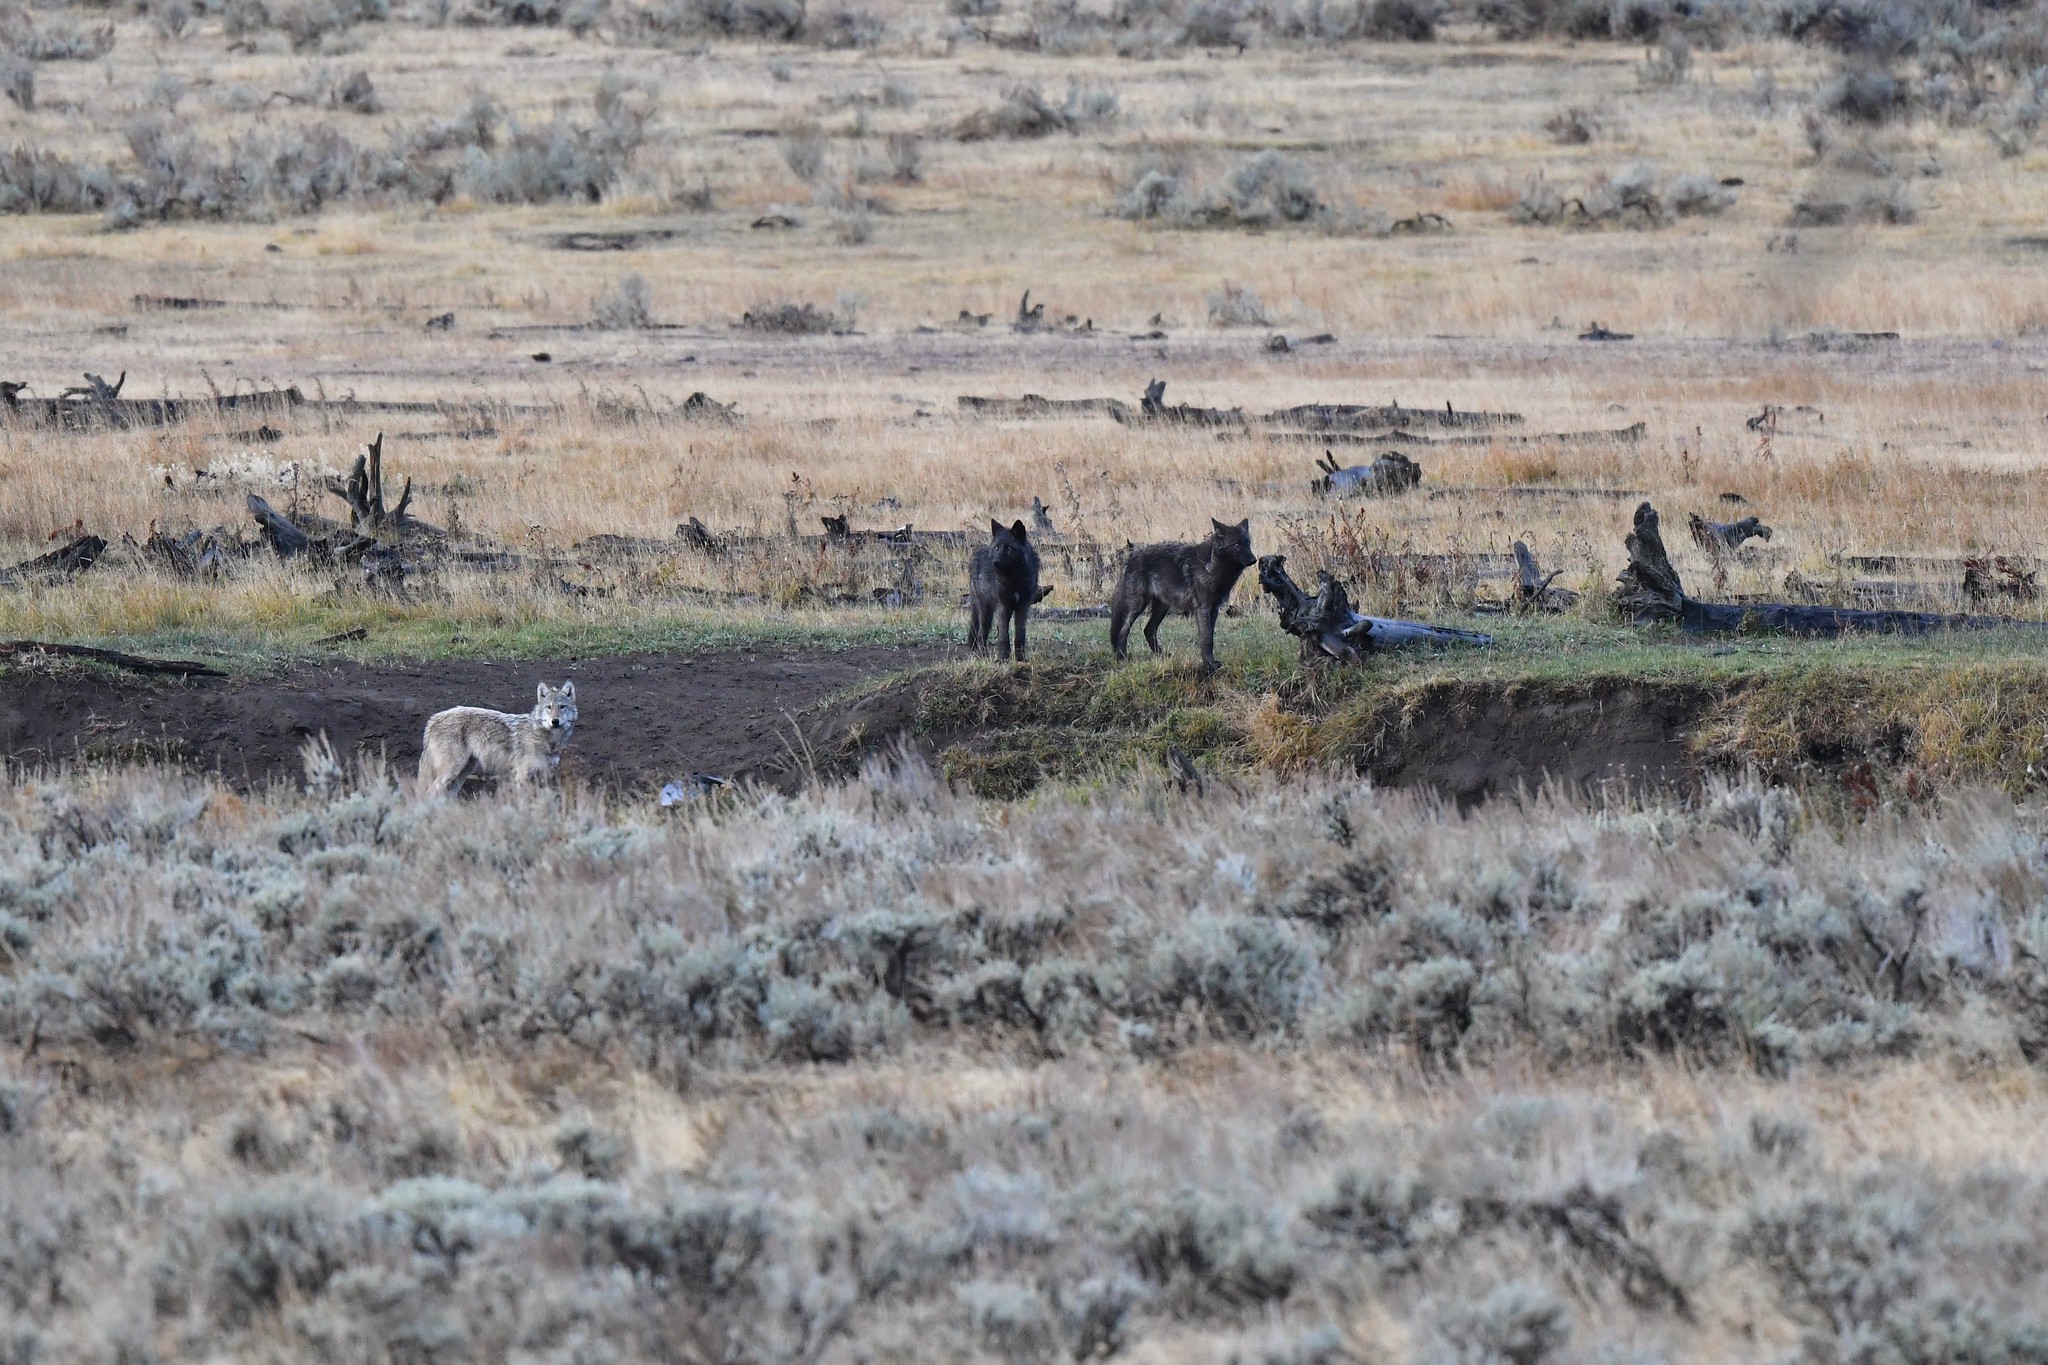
{"points": [[768, 715], [1468, 741], [645, 718], [1476, 740]]}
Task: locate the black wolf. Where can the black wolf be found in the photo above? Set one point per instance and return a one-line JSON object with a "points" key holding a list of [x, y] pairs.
{"points": [[1002, 583], [1186, 580]]}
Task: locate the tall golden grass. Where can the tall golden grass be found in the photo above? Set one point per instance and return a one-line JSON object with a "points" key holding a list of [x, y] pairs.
{"points": [[1930, 446]]}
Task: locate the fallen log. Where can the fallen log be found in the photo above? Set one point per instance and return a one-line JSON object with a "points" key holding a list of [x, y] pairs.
{"points": [[1153, 407], [1329, 626], [97, 405], [1034, 405], [1361, 417], [838, 532], [1861, 592], [135, 663], [1988, 576], [284, 537], [1627, 435], [1306, 417], [73, 559], [1925, 564], [836, 528], [1391, 473], [1649, 591]]}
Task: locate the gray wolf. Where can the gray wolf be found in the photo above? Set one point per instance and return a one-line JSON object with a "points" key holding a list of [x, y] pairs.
{"points": [[1002, 585], [1183, 579], [524, 750]]}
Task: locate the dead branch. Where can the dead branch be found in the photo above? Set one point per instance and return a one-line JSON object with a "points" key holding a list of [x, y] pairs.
{"points": [[363, 491], [1533, 591], [1986, 577], [1029, 318], [133, 662], [97, 389], [1329, 626], [1649, 591], [285, 538], [73, 559], [195, 554], [1390, 474], [1153, 407], [1649, 588]]}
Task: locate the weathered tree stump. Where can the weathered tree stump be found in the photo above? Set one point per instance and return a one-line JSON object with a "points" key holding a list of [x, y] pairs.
{"points": [[1153, 407], [284, 537], [73, 559], [1533, 590], [1390, 474], [1649, 591], [363, 491], [1330, 627]]}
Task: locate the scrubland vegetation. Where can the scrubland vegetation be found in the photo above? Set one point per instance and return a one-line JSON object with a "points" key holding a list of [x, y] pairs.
{"points": [[1535, 1083], [1091, 1011]]}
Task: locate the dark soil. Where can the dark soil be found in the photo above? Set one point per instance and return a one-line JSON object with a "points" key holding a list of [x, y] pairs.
{"points": [[645, 719], [1476, 740], [1468, 741]]}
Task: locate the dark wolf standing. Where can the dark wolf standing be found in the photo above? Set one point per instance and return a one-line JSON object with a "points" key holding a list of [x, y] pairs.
{"points": [[1186, 580], [1002, 583]]}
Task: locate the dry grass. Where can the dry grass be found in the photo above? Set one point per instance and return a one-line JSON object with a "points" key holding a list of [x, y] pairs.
{"points": [[1294, 1073], [1483, 317]]}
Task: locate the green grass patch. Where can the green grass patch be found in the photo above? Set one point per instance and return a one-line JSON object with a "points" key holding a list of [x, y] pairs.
{"points": [[1938, 721], [1946, 709]]}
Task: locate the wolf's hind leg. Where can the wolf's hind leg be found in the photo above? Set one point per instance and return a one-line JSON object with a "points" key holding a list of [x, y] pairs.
{"points": [[1152, 626]]}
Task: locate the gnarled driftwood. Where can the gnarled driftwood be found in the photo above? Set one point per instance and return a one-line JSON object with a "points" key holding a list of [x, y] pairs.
{"points": [[1391, 473], [1330, 627], [1533, 590], [1153, 407], [1649, 591], [69, 561]]}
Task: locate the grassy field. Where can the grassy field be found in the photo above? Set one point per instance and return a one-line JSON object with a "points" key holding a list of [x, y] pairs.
{"points": [[1078, 1009]]}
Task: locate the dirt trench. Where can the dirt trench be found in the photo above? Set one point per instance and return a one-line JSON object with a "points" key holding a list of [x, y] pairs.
{"points": [[775, 716], [1469, 741], [1472, 741], [645, 719]]}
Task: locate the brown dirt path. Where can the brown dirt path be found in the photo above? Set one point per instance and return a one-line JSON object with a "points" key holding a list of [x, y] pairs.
{"points": [[645, 718]]}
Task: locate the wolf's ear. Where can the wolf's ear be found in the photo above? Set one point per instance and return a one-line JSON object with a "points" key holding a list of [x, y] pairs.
{"points": [[542, 695], [1017, 530], [569, 691], [1221, 529], [995, 528], [1245, 526]]}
